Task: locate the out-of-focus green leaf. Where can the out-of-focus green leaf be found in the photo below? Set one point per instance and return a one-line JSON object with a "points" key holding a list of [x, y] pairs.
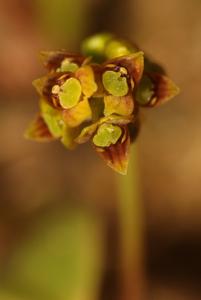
{"points": [[61, 260]]}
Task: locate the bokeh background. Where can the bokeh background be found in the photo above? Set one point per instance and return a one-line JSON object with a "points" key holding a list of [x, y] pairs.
{"points": [[58, 208]]}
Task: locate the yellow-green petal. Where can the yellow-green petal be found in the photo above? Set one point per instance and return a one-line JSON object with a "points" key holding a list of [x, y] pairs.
{"points": [[68, 137], [52, 118], [75, 116], [122, 106], [85, 75], [86, 133]]}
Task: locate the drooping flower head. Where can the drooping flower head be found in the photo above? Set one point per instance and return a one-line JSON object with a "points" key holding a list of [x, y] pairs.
{"points": [[82, 100]]}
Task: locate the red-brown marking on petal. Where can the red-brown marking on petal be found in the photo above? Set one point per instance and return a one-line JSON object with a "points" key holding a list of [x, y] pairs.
{"points": [[116, 156], [164, 89], [38, 131], [52, 59], [51, 81], [134, 64]]}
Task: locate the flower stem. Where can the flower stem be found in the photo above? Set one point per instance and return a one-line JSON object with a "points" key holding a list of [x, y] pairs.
{"points": [[131, 233]]}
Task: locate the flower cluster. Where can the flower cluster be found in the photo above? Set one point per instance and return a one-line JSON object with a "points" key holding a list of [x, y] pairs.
{"points": [[82, 100]]}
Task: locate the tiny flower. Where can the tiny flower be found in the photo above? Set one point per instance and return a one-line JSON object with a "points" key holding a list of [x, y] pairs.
{"points": [[69, 92], [119, 79], [111, 137]]}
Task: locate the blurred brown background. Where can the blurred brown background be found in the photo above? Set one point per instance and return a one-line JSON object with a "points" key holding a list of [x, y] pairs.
{"points": [[42, 180]]}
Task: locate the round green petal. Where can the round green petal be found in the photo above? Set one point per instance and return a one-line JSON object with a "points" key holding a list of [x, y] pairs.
{"points": [[115, 84], [67, 66], [145, 91], [70, 93], [106, 135]]}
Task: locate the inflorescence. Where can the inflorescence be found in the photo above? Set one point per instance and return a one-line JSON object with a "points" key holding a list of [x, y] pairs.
{"points": [[96, 97]]}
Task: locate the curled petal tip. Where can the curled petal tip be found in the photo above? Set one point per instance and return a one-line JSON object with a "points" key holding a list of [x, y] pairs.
{"points": [[39, 84], [155, 89], [166, 89]]}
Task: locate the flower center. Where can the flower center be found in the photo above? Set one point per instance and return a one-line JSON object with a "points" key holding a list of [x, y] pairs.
{"points": [[115, 83], [106, 135]]}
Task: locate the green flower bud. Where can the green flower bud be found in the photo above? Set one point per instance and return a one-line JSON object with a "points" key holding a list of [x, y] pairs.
{"points": [[116, 48], [95, 45]]}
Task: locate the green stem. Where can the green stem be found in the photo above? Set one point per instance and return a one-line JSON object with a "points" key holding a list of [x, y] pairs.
{"points": [[131, 232]]}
